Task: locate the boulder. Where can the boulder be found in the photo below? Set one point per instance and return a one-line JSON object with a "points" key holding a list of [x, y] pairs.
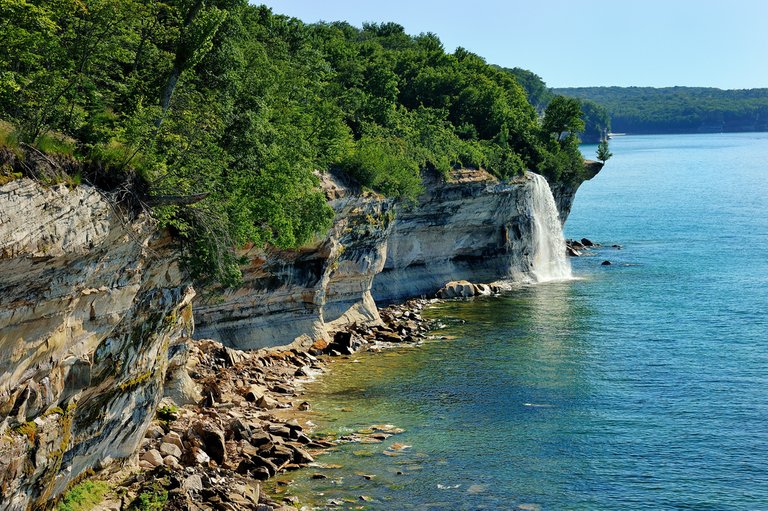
{"points": [[587, 243], [260, 473], [387, 336], [233, 356], [181, 388], [606, 263], [266, 463], [480, 290], [175, 439], [300, 455], [199, 456], [457, 289], [253, 393], [212, 439], [267, 403], [167, 449], [193, 483], [259, 438], [154, 431], [153, 457], [319, 346], [572, 252]]}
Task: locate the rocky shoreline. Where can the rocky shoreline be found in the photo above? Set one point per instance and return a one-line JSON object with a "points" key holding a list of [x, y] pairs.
{"points": [[96, 311], [228, 421]]}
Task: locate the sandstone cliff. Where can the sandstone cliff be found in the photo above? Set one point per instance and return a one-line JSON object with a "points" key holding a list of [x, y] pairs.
{"points": [[322, 286], [88, 304], [472, 227], [91, 298]]}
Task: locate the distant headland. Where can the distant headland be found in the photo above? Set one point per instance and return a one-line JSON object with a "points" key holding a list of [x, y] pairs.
{"points": [[649, 110]]}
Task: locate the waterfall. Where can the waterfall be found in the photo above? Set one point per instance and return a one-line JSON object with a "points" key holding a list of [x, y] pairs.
{"points": [[549, 259]]}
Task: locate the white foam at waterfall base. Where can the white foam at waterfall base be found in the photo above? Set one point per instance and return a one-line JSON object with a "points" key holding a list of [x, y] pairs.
{"points": [[549, 259]]}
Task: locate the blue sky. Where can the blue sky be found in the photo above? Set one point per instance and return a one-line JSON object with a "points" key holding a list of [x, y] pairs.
{"points": [[711, 43]]}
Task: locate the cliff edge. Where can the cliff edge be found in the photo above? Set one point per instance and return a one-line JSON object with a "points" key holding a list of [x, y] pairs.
{"points": [[470, 226], [92, 298], [89, 301]]}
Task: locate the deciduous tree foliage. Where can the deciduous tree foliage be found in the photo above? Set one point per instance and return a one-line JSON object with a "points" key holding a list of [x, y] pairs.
{"points": [[222, 111], [597, 121]]}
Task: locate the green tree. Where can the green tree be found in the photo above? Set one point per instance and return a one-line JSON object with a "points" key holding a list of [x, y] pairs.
{"points": [[199, 26], [562, 119], [535, 88], [603, 154]]}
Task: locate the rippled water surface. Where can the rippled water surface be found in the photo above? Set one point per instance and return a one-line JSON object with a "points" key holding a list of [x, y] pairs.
{"points": [[642, 385]]}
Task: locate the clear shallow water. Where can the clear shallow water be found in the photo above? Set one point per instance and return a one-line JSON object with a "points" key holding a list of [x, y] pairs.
{"points": [[642, 385]]}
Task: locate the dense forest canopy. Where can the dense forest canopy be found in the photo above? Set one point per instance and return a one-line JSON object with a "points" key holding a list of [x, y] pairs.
{"points": [[597, 121], [218, 112], [678, 109]]}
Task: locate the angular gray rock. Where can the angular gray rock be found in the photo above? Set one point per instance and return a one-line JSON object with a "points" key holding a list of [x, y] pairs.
{"points": [[153, 457]]}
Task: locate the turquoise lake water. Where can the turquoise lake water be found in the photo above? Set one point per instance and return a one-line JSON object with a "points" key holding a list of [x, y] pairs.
{"points": [[641, 385]]}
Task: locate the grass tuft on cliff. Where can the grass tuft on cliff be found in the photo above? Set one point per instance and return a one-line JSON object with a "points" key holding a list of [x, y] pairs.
{"points": [[83, 497]]}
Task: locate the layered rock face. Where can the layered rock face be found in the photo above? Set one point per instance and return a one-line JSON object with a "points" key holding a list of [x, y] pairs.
{"points": [[89, 302], [313, 290], [565, 193], [472, 228]]}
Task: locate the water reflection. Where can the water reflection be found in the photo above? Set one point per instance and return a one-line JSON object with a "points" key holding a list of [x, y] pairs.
{"points": [[491, 413]]}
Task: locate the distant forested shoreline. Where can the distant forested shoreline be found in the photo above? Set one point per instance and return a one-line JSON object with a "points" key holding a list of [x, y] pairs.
{"points": [[648, 110]]}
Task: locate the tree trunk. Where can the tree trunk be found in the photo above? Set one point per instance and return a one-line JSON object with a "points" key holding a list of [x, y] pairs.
{"points": [[178, 65], [165, 100]]}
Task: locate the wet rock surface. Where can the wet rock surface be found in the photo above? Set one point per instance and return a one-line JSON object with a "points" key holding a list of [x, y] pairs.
{"points": [[466, 289], [215, 454], [578, 248]]}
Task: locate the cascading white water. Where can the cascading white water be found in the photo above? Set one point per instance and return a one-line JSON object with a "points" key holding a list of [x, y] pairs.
{"points": [[549, 259]]}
